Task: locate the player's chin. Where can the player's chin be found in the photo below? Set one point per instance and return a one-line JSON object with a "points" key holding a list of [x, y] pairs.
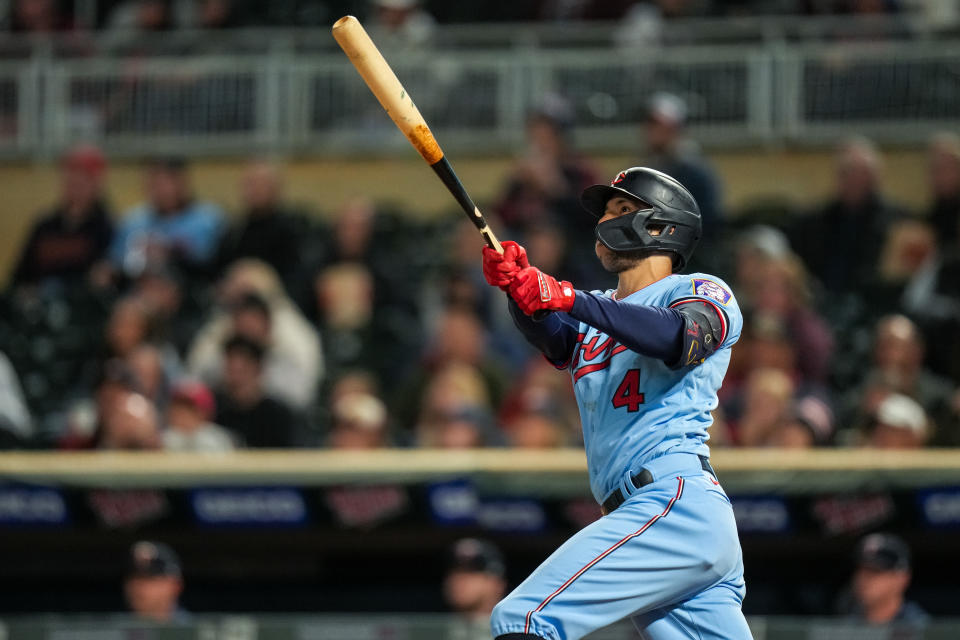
{"points": [[608, 258]]}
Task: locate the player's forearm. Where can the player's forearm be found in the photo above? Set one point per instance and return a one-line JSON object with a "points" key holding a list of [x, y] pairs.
{"points": [[555, 336], [652, 331]]}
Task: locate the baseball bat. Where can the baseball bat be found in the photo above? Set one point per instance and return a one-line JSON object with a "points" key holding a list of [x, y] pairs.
{"points": [[383, 82]]}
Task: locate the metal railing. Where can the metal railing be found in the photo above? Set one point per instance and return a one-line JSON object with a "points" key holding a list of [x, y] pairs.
{"points": [[477, 100]]}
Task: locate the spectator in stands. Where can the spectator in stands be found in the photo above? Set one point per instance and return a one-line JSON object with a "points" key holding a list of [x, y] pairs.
{"points": [[879, 585], [132, 424], [858, 213], [267, 230], [154, 583], [455, 411], [189, 426], [71, 241], [216, 14], [132, 325], [458, 343], [147, 363], [401, 23], [243, 406], [175, 309], [544, 185], [539, 391], [768, 399], [252, 302], [359, 422], [16, 426], [171, 228], [910, 248], [38, 16], [898, 423], [943, 165], [142, 15], [809, 424], [476, 580], [673, 153], [781, 289], [86, 417], [898, 356], [535, 430]]}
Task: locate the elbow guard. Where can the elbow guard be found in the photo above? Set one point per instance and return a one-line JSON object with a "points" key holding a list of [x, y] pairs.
{"points": [[704, 330]]}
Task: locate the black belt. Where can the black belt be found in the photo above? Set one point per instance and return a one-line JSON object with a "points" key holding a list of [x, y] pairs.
{"points": [[642, 479]]}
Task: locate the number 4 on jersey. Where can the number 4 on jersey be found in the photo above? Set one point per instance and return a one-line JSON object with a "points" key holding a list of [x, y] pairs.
{"points": [[628, 393]]}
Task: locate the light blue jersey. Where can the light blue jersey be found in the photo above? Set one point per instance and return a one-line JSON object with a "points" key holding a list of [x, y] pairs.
{"points": [[634, 408]]}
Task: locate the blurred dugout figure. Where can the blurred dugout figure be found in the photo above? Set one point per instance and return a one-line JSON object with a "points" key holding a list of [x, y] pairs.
{"points": [[475, 581], [877, 593], [253, 303], [70, 242], [154, 582]]}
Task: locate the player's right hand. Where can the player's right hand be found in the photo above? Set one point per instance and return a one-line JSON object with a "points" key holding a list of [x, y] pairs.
{"points": [[500, 269]]}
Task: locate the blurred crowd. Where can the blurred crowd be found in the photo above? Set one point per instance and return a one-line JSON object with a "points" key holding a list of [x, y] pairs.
{"points": [[175, 326], [414, 19]]}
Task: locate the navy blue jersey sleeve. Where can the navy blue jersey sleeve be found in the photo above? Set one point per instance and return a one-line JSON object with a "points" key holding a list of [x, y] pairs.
{"points": [[555, 336], [652, 331]]}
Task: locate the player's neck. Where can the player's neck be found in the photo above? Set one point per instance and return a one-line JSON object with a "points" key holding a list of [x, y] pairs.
{"points": [[645, 273]]}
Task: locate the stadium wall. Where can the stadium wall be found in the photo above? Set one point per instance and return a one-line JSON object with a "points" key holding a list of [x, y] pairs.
{"points": [[797, 177]]}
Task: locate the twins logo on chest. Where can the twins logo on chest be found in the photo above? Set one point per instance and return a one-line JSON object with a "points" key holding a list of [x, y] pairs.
{"points": [[594, 354]]}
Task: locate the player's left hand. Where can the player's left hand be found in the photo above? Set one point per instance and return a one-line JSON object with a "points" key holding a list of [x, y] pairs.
{"points": [[534, 291]]}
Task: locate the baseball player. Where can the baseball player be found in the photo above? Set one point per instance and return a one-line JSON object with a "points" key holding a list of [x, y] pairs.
{"points": [[646, 360]]}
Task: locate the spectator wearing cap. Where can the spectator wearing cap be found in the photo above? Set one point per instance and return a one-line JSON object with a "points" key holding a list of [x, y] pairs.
{"points": [[857, 213], [899, 423], [267, 230], [673, 153], [171, 227], [242, 404], [70, 242], [154, 582], [359, 422], [880, 581], [475, 580], [189, 426], [809, 424]]}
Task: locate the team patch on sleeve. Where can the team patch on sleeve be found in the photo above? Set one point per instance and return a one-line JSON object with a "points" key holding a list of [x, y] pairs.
{"points": [[710, 289]]}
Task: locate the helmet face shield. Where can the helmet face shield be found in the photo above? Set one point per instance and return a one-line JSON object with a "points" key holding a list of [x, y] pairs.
{"points": [[627, 232], [669, 221]]}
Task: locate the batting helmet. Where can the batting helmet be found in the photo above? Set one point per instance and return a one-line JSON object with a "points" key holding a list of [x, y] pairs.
{"points": [[668, 207]]}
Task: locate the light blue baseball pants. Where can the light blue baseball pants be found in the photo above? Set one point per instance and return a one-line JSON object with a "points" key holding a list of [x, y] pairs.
{"points": [[668, 557]]}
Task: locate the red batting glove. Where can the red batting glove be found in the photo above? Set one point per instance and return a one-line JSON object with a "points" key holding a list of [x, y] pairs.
{"points": [[499, 269], [534, 291]]}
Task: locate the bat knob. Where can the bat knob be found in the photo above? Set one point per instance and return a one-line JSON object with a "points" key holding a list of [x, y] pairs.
{"points": [[541, 315]]}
